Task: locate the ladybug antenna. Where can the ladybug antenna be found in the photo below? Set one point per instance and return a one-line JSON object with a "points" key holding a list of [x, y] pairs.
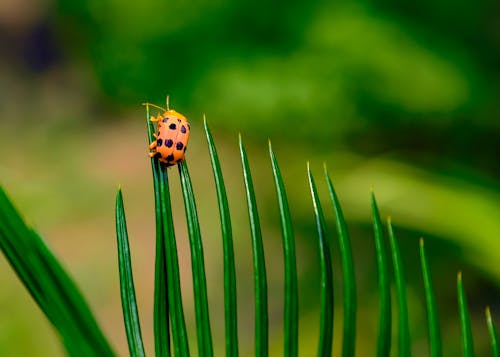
{"points": [[168, 102], [154, 105]]}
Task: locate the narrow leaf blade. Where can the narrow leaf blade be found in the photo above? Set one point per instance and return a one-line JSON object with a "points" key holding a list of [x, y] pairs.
{"points": [[435, 348], [404, 341], [493, 333], [465, 327], [349, 338], [198, 265], [230, 302], [127, 290], [384, 334], [259, 264], [49, 284], [326, 314], [291, 310], [167, 298]]}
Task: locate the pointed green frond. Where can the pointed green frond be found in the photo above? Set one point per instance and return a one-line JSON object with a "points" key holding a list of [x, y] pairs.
{"points": [[384, 333], [127, 290], [198, 265], [259, 264], [465, 328], [49, 284], [291, 308], [493, 334], [167, 295], [230, 302], [432, 314], [349, 339], [404, 341], [326, 314]]}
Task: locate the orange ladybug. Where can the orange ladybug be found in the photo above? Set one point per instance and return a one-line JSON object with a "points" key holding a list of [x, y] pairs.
{"points": [[172, 136]]}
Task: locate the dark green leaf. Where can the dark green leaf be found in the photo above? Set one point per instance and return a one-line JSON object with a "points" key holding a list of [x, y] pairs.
{"points": [[384, 334], [432, 315], [326, 317], [404, 342], [49, 284], [291, 288], [349, 339], [467, 341], [198, 265], [230, 302], [259, 264], [168, 299], [127, 290]]}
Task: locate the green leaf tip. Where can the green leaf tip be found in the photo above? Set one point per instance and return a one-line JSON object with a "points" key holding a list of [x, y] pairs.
{"points": [[385, 323], [127, 290], [493, 333], [435, 344], [290, 263], [326, 280], [404, 339], [350, 298], [465, 324]]}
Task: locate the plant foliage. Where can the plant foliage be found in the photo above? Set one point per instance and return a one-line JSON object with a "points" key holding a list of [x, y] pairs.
{"points": [[55, 293]]}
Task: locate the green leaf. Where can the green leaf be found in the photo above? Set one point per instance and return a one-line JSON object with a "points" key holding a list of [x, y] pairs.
{"points": [[384, 334], [432, 315], [291, 311], [349, 338], [326, 315], [404, 341], [49, 285], [465, 328], [161, 299], [493, 333], [127, 290], [230, 301], [198, 265], [259, 264], [167, 296]]}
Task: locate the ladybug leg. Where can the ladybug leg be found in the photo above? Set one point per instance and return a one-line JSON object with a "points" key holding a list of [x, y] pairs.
{"points": [[156, 136], [152, 146], [152, 154], [157, 119]]}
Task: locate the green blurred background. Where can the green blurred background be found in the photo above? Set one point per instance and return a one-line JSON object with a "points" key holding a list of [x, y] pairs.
{"points": [[399, 96]]}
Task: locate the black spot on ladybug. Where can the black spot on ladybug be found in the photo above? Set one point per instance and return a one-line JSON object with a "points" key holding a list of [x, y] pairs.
{"points": [[173, 126], [169, 143], [157, 155], [183, 129], [159, 142], [179, 120], [170, 157], [179, 146], [165, 119]]}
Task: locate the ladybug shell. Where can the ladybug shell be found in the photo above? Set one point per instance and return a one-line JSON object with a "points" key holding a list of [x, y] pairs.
{"points": [[173, 136]]}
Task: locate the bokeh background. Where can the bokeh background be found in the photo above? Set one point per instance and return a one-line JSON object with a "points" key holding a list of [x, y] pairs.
{"points": [[396, 95]]}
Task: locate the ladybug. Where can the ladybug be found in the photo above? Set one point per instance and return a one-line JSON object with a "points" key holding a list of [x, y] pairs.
{"points": [[172, 137]]}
